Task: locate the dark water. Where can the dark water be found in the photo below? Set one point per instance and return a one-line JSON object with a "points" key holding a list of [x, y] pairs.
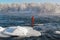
{"points": [[7, 21], [45, 37]]}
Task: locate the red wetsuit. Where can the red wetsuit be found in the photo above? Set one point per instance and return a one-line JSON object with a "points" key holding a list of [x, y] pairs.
{"points": [[32, 21]]}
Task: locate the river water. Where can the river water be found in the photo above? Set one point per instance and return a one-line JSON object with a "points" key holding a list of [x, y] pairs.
{"points": [[7, 21], [48, 35]]}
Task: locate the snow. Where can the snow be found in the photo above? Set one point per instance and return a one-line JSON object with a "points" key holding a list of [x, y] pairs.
{"points": [[1, 29], [22, 30]]}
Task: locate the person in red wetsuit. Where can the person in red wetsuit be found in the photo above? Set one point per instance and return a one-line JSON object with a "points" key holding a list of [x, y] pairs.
{"points": [[32, 21]]}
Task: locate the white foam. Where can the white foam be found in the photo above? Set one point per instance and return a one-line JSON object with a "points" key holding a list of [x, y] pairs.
{"points": [[57, 32]]}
